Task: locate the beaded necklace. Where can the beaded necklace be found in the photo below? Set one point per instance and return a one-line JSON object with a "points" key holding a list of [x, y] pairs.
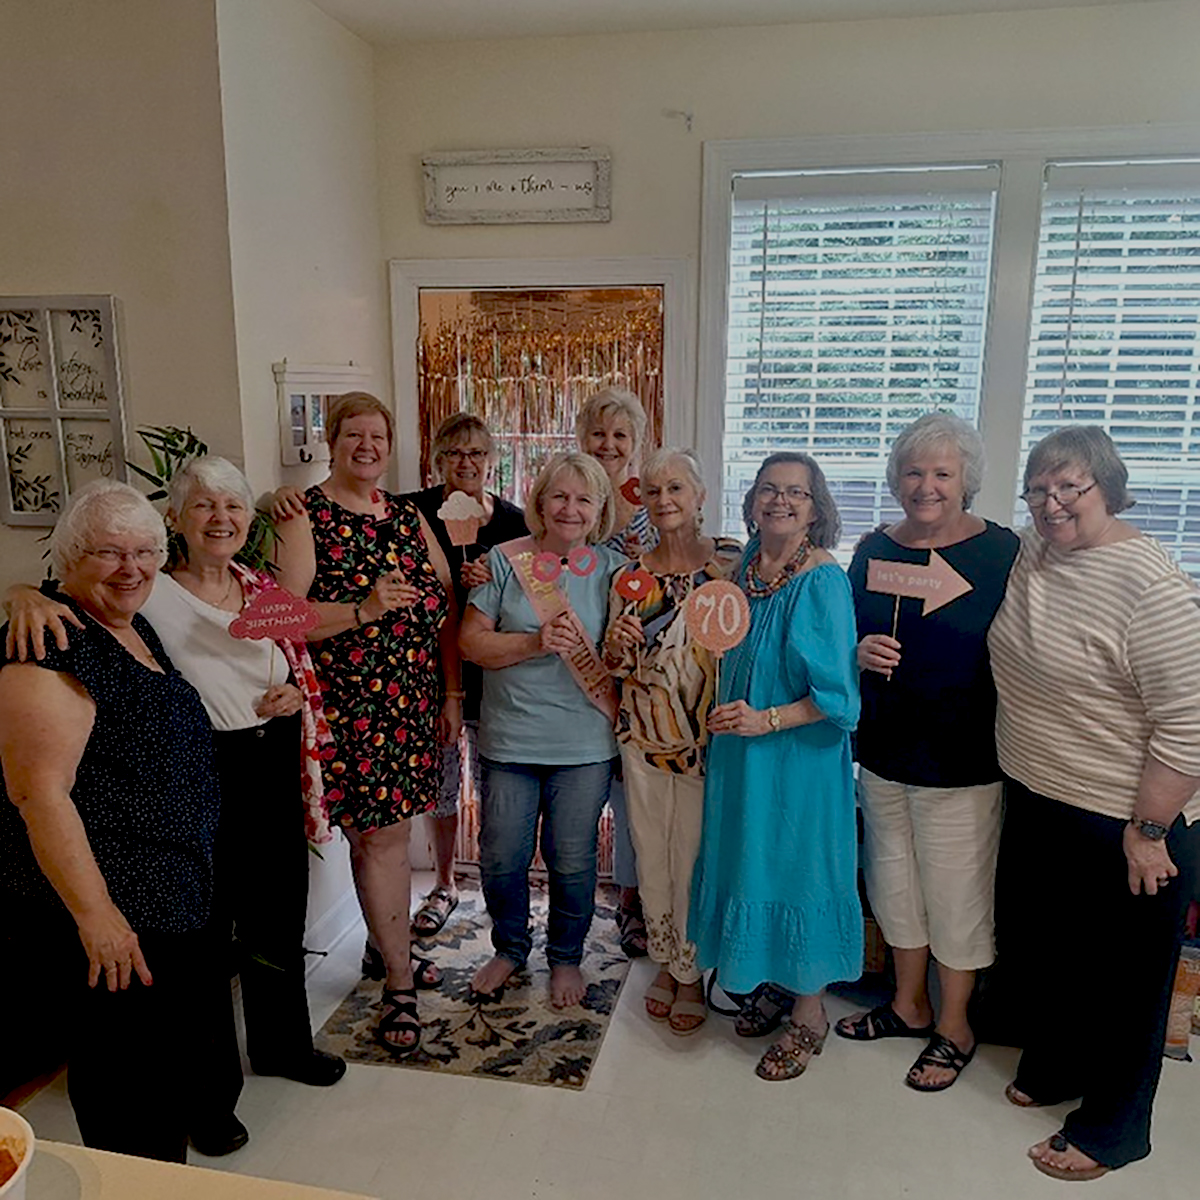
{"points": [[756, 587]]}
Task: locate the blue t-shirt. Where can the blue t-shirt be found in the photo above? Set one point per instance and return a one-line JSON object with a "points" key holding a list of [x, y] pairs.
{"points": [[534, 711]]}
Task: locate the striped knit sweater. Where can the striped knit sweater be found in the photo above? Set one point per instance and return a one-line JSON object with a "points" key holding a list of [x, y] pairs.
{"points": [[1096, 656]]}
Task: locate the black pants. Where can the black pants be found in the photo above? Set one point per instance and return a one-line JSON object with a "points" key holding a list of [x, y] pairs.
{"points": [[142, 1062], [1096, 964], [261, 885]]}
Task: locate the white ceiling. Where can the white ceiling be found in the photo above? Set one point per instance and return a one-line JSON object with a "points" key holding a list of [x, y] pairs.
{"points": [[385, 21]]}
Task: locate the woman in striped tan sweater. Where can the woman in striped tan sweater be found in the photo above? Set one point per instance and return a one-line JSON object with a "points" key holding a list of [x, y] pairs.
{"points": [[1096, 655]]}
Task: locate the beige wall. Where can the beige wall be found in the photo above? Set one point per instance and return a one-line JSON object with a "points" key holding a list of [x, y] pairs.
{"points": [[1123, 65], [113, 182], [308, 271], [309, 281]]}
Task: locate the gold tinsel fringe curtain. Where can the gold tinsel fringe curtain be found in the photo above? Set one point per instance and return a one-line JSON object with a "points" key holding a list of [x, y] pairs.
{"points": [[525, 361]]}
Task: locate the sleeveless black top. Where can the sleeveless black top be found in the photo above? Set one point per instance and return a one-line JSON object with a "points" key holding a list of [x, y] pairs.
{"points": [[146, 788]]}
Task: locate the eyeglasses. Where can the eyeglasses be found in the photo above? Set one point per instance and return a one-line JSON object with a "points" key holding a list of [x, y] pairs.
{"points": [[475, 456], [1065, 496], [111, 557], [769, 492]]}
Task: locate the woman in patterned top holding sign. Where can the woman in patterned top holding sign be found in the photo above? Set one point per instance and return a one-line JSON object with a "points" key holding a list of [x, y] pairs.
{"points": [[546, 744], [667, 685], [929, 782]]}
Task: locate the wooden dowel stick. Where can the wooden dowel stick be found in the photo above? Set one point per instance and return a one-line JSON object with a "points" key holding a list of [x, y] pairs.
{"points": [[895, 626]]}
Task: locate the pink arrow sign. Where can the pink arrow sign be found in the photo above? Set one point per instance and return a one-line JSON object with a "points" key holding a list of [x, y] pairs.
{"points": [[937, 584]]}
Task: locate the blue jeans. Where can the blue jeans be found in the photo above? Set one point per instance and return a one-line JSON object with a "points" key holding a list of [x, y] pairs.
{"points": [[569, 800], [624, 859]]}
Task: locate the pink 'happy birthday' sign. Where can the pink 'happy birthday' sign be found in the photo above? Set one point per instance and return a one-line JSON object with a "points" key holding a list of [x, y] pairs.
{"points": [[276, 614]]}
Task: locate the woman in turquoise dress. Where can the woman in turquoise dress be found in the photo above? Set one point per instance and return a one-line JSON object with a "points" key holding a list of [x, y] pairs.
{"points": [[775, 894]]}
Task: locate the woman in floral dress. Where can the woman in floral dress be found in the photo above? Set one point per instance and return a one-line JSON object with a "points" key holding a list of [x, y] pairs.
{"points": [[388, 638]]}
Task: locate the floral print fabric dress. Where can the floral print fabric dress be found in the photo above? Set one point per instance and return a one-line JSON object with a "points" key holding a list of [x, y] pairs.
{"points": [[381, 682]]}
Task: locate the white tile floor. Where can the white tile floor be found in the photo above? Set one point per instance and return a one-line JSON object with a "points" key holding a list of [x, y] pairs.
{"points": [[671, 1118]]}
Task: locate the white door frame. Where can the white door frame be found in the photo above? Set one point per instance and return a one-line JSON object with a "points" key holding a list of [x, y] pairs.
{"points": [[675, 276]]}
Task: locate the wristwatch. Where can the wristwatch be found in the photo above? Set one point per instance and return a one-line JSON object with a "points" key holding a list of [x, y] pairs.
{"points": [[776, 721], [1152, 831]]}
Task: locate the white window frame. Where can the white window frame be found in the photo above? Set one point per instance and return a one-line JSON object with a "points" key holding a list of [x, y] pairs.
{"points": [[1022, 157], [675, 276]]}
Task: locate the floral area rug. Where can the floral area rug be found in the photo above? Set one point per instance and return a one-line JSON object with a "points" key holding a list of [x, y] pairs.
{"points": [[519, 1036]]}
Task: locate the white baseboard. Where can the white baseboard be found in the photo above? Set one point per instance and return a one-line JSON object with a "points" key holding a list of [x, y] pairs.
{"points": [[339, 919]]}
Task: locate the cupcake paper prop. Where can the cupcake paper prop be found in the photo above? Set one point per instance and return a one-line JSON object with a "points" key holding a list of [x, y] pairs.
{"points": [[462, 516]]}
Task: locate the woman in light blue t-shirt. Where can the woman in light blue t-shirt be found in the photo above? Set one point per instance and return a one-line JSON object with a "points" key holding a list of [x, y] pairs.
{"points": [[546, 744]]}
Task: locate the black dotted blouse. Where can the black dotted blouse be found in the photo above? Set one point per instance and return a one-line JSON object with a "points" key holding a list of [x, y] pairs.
{"points": [[146, 788]]}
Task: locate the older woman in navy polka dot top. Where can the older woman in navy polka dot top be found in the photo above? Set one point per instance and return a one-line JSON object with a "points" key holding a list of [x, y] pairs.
{"points": [[107, 842]]}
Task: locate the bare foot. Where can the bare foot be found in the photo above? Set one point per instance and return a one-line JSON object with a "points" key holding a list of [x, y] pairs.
{"points": [[1065, 1160], [493, 975], [566, 986], [1014, 1095]]}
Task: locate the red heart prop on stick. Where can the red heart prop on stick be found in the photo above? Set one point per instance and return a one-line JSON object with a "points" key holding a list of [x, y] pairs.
{"points": [[631, 489], [634, 585]]}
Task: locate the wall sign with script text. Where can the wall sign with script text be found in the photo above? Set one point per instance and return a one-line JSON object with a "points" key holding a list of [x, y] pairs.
{"points": [[61, 417], [506, 187]]}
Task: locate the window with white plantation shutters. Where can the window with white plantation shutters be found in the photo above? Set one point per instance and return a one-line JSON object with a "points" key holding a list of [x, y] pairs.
{"points": [[857, 302], [1115, 335]]}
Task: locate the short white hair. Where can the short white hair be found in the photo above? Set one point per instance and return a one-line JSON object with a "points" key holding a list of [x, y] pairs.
{"points": [[660, 460], [930, 431], [101, 510], [209, 473]]}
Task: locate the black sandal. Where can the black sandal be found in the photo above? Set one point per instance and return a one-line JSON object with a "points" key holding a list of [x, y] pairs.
{"points": [[881, 1022], [633, 932], [425, 978], [399, 1016], [755, 1020], [941, 1052]]}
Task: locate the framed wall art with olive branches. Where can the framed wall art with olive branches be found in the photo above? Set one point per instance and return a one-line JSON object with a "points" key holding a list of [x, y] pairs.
{"points": [[61, 408]]}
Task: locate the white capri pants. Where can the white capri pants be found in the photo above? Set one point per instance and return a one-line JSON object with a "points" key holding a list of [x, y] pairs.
{"points": [[929, 858], [665, 815]]}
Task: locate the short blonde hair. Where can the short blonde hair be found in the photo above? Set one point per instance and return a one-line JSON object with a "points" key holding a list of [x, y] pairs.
{"points": [[593, 476], [356, 404], [611, 402], [100, 509]]}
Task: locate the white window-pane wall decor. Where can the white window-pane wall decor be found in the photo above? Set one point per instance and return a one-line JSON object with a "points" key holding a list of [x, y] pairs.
{"points": [[61, 410], [858, 300]]}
